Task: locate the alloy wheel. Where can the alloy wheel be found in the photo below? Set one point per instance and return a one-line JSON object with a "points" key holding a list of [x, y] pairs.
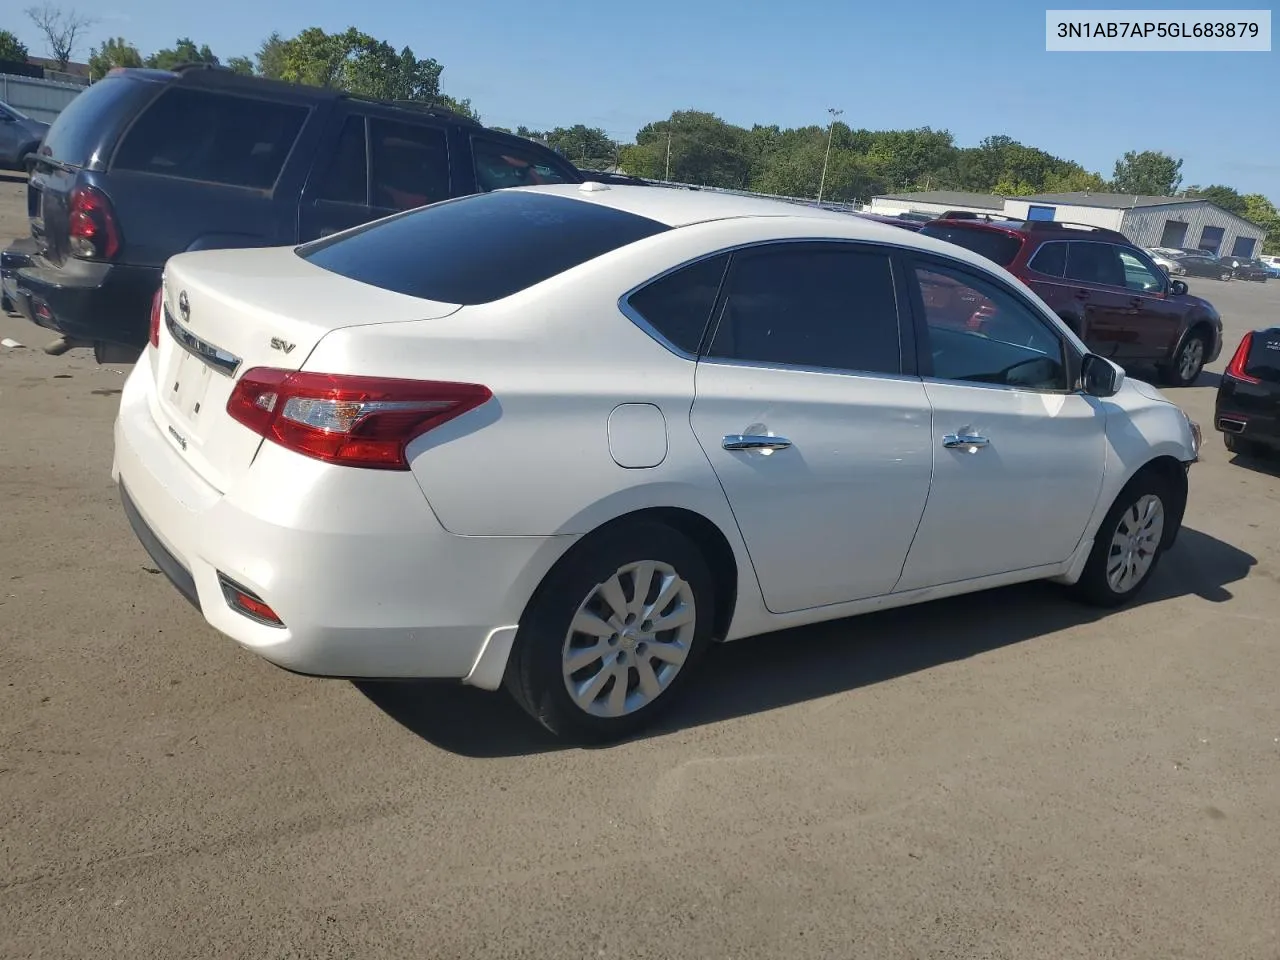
{"points": [[629, 639], [1192, 359], [1135, 543]]}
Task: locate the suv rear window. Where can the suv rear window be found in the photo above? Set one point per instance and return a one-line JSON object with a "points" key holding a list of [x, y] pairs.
{"points": [[998, 247], [77, 130], [480, 248], [1264, 356], [212, 137]]}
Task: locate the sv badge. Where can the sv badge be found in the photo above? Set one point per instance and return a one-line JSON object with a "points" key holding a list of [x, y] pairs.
{"points": [[283, 345]]}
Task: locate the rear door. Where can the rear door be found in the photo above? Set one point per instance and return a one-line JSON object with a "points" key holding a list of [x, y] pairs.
{"points": [[815, 427], [336, 195]]}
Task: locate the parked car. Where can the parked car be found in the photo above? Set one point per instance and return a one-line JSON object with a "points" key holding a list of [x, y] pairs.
{"points": [[1273, 265], [148, 163], [1247, 268], [1247, 412], [411, 450], [902, 222], [1169, 264], [1205, 265], [20, 137], [1108, 291]]}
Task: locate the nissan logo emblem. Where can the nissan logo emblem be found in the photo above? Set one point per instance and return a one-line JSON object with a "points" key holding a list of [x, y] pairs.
{"points": [[184, 305]]}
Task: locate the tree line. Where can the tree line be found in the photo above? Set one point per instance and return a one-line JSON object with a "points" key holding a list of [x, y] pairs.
{"points": [[690, 146]]}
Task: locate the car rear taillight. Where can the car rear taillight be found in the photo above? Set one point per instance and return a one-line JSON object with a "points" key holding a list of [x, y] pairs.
{"points": [[1236, 367], [347, 420], [93, 230], [157, 307]]}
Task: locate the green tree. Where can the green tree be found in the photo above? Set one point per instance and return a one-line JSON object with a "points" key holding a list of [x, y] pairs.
{"points": [[704, 150], [1150, 172], [183, 51], [1226, 197], [11, 48], [359, 63], [588, 147], [1073, 178], [270, 57], [1263, 212], [111, 53], [241, 65]]}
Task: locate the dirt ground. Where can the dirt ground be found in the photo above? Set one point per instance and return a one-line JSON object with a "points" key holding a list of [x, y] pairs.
{"points": [[1002, 776]]}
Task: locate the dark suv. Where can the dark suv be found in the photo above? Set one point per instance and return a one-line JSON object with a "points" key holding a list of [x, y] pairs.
{"points": [[1108, 291], [146, 164]]}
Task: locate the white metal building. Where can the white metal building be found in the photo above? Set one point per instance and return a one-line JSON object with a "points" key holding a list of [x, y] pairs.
{"points": [[1146, 221]]}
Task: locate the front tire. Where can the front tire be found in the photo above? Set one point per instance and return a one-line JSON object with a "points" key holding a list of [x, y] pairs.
{"points": [[1184, 369], [613, 634], [1128, 545]]}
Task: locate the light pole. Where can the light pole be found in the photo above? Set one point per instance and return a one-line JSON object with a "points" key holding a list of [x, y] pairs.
{"points": [[831, 131]]}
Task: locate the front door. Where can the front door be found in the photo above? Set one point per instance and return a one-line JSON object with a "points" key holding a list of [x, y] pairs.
{"points": [[1018, 454], [1154, 319], [1096, 280], [818, 434]]}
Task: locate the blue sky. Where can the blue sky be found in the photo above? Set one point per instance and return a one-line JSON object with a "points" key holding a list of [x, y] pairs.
{"points": [[976, 67]]}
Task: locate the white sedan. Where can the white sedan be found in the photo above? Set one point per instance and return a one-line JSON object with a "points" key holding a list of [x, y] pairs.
{"points": [[563, 438]]}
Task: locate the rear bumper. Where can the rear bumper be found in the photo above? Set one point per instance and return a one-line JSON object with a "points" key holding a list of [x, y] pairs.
{"points": [[364, 578], [80, 299], [1248, 410]]}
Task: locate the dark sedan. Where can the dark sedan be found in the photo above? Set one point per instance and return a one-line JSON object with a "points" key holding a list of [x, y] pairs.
{"points": [[1248, 407], [1205, 265], [1244, 268]]}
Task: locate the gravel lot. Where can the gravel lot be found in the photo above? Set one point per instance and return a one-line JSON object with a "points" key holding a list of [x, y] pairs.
{"points": [[1006, 775]]}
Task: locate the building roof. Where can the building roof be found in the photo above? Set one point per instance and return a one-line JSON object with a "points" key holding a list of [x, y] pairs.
{"points": [[1112, 201], [952, 198]]}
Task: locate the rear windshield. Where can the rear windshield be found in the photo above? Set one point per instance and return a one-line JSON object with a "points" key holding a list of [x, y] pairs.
{"points": [[77, 130], [1000, 247], [1264, 356], [480, 248], [212, 137]]}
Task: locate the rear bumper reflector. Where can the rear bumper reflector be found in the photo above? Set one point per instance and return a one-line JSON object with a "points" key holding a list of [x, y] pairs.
{"points": [[247, 603]]}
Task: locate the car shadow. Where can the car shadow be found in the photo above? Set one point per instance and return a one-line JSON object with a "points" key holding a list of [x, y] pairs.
{"points": [[13, 176], [1270, 465], [774, 670]]}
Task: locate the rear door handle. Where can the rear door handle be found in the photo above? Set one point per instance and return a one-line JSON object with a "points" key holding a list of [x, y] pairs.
{"points": [[954, 440], [741, 441]]}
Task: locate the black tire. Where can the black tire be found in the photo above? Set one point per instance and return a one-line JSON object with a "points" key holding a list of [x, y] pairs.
{"points": [[1172, 372], [534, 675], [1094, 587], [1226, 276]]}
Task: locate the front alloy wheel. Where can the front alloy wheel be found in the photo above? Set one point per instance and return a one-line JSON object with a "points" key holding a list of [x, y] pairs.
{"points": [[1187, 362], [1128, 544]]}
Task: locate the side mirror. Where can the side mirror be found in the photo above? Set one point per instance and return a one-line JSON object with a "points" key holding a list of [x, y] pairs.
{"points": [[1099, 377], [1179, 288]]}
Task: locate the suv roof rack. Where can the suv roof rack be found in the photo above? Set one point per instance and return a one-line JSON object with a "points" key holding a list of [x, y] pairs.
{"points": [[422, 106], [1062, 226]]}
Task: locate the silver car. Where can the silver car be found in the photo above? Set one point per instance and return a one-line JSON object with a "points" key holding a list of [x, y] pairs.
{"points": [[20, 137]]}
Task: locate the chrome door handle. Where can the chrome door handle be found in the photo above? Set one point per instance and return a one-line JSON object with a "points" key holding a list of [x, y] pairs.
{"points": [[952, 440], [739, 441]]}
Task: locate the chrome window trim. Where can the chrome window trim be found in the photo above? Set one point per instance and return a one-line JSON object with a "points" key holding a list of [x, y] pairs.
{"points": [[207, 353]]}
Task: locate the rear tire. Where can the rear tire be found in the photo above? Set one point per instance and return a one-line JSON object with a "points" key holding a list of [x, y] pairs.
{"points": [[1185, 367], [1128, 545], [586, 630]]}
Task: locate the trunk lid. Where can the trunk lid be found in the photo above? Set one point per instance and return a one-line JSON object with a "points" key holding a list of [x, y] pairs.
{"points": [[228, 311]]}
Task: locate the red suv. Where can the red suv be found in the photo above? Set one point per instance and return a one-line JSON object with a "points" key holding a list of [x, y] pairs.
{"points": [[1109, 292]]}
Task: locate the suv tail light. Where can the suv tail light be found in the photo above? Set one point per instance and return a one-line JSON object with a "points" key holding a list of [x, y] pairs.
{"points": [[352, 421], [1236, 367], [157, 307], [93, 230]]}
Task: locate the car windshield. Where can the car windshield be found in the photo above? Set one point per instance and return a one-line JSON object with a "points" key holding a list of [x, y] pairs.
{"points": [[992, 244], [480, 248]]}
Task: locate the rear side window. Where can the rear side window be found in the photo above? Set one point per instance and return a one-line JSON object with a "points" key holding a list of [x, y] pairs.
{"points": [[212, 137], [1050, 259], [811, 307], [480, 248], [679, 305], [347, 178], [410, 164], [998, 247], [504, 164], [77, 131]]}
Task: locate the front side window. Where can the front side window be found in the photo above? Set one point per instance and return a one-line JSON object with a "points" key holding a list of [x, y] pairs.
{"points": [[810, 306], [212, 137], [679, 305], [501, 165], [981, 333], [1137, 274], [410, 164]]}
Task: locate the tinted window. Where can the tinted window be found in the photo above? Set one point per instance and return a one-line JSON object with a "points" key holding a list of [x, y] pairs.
{"points": [[679, 305], [213, 137], [1137, 274], [811, 307], [1050, 259], [77, 129], [1094, 263], [980, 332], [502, 164], [347, 178], [410, 164], [1263, 361], [480, 248], [998, 247]]}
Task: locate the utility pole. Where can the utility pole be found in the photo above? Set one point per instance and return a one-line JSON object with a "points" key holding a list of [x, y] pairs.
{"points": [[667, 175], [831, 132]]}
